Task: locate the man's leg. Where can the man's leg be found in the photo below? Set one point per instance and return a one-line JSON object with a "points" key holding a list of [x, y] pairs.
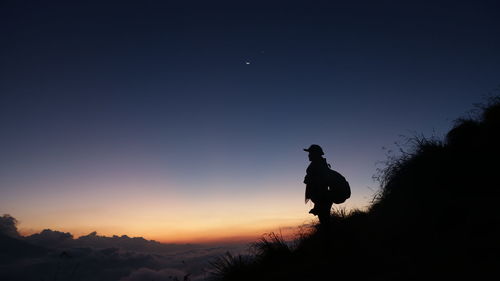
{"points": [[323, 213]]}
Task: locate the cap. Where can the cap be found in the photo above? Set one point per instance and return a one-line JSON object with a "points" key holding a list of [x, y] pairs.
{"points": [[314, 148]]}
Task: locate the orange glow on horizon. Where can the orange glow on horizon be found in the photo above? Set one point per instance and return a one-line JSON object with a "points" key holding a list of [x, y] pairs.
{"points": [[173, 218], [229, 234]]}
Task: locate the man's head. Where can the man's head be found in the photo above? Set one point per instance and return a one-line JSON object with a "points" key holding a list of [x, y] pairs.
{"points": [[315, 152]]}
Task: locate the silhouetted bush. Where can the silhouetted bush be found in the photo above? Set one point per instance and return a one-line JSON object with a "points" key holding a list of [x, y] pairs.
{"points": [[227, 266]]}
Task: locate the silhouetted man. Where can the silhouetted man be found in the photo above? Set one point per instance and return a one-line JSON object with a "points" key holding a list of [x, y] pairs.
{"points": [[316, 184]]}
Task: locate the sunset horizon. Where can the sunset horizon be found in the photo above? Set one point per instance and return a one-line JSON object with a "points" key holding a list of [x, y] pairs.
{"points": [[245, 225]]}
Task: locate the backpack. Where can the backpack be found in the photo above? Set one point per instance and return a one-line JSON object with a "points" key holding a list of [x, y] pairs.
{"points": [[339, 189]]}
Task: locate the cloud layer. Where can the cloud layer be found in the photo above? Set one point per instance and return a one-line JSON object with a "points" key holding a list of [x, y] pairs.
{"points": [[94, 257], [8, 226]]}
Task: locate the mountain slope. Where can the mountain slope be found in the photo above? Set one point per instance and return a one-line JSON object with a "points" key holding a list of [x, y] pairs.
{"points": [[436, 216]]}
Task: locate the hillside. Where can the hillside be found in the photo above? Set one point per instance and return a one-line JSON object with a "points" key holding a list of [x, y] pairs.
{"points": [[435, 216]]}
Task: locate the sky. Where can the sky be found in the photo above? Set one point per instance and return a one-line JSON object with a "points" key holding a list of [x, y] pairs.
{"points": [[187, 121]]}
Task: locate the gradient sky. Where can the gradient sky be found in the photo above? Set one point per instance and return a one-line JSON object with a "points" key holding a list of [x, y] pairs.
{"points": [[181, 122]]}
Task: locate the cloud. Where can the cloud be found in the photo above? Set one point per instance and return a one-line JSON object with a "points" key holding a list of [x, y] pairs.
{"points": [[166, 274], [60, 240], [81, 264], [94, 257], [111, 264], [138, 244], [8, 226], [51, 239]]}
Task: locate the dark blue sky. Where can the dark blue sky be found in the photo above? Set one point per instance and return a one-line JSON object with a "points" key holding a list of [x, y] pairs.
{"points": [[162, 90]]}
